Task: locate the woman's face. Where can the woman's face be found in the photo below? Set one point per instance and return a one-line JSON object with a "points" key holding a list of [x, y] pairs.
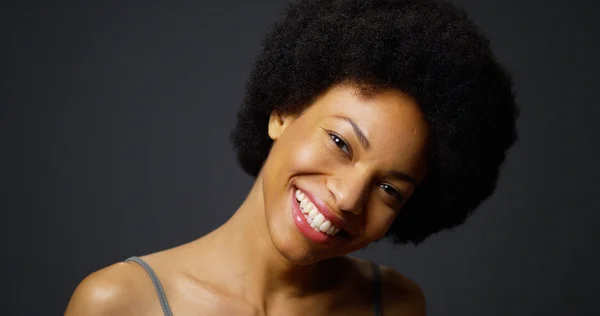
{"points": [[339, 172]]}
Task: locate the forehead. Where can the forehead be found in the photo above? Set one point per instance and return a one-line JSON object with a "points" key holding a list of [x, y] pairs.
{"points": [[385, 115]]}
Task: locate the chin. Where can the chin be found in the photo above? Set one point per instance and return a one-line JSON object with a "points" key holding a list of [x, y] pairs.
{"points": [[294, 248]]}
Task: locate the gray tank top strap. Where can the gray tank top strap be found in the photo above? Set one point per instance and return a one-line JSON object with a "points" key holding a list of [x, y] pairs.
{"points": [[377, 308], [159, 289]]}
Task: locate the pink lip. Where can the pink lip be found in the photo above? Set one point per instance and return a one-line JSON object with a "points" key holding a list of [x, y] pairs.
{"points": [[305, 228], [329, 215]]}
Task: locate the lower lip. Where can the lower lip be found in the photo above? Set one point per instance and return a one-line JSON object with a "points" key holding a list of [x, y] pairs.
{"points": [[305, 229]]}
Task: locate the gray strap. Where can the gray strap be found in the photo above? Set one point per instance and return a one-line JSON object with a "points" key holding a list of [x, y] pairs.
{"points": [[376, 289], [159, 289]]}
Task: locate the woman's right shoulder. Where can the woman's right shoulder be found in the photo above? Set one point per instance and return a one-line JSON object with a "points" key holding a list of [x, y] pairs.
{"points": [[119, 289]]}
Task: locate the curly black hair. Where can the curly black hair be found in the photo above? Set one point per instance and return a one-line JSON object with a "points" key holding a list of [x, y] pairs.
{"points": [[430, 50]]}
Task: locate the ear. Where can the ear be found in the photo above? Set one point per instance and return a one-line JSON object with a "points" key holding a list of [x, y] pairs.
{"points": [[278, 123]]}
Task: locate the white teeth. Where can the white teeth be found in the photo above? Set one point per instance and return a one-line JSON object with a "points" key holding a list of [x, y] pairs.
{"points": [[325, 226], [331, 230], [309, 207], [319, 219], [314, 218], [306, 210], [303, 204]]}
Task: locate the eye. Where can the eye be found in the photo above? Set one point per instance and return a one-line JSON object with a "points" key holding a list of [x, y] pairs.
{"points": [[390, 190], [340, 143]]}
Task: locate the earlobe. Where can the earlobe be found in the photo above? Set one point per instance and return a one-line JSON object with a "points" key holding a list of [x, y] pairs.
{"points": [[278, 123]]}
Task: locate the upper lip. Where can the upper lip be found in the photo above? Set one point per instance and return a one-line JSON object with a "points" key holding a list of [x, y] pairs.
{"points": [[330, 215]]}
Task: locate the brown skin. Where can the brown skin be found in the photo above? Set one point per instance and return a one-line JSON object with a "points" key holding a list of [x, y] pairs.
{"points": [[258, 262]]}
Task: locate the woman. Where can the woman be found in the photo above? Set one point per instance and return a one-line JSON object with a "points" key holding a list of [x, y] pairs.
{"points": [[362, 120]]}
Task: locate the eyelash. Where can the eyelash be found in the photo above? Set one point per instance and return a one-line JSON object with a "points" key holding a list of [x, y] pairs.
{"points": [[395, 193], [337, 140]]}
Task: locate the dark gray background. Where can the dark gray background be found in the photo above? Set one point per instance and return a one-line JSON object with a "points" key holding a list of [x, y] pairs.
{"points": [[116, 120]]}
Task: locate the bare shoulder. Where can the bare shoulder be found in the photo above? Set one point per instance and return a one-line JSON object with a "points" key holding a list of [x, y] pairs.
{"points": [[119, 289], [401, 295]]}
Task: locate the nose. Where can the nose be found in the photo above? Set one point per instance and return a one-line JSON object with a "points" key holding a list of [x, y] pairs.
{"points": [[349, 191]]}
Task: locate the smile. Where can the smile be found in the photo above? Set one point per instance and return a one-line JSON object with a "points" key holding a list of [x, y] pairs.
{"points": [[315, 219]]}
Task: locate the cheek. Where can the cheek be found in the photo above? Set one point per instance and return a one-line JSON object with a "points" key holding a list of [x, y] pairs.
{"points": [[310, 155], [296, 154], [377, 222]]}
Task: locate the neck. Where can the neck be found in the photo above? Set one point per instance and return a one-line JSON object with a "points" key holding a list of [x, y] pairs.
{"points": [[247, 260]]}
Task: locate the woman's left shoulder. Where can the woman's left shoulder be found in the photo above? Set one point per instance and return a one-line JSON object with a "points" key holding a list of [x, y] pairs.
{"points": [[400, 295]]}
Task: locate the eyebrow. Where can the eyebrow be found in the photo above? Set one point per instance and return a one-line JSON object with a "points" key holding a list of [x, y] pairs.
{"points": [[404, 177], [364, 141]]}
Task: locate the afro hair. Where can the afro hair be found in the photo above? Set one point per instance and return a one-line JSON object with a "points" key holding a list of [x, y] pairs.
{"points": [[428, 49]]}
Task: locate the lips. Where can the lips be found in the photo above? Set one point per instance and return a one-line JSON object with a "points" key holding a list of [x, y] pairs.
{"points": [[314, 218], [304, 227], [329, 215]]}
